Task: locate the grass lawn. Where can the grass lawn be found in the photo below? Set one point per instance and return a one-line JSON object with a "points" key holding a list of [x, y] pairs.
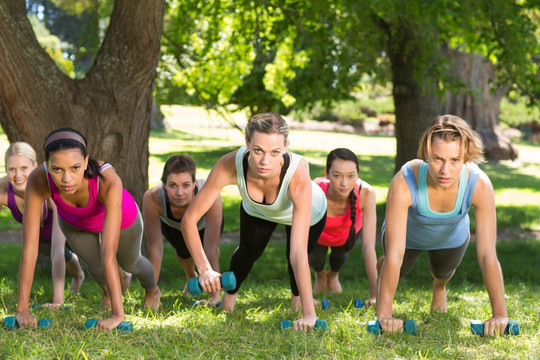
{"points": [[179, 331]]}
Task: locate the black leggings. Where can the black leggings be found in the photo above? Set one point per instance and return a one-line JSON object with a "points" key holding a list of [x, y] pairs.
{"points": [[254, 236], [176, 239], [337, 258], [442, 262]]}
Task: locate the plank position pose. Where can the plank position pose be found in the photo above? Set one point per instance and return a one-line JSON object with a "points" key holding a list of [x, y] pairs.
{"points": [[276, 188], [100, 220], [351, 207], [164, 206], [427, 209], [20, 160]]}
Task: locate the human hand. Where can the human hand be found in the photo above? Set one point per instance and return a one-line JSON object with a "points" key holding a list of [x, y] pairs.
{"points": [[370, 302], [305, 323], [496, 325], [110, 323], [390, 324], [210, 281], [25, 319]]}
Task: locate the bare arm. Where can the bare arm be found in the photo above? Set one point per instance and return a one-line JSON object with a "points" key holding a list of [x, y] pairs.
{"points": [[36, 192], [483, 201], [212, 232], [152, 228], [300, 193], [58, 243], [223, 173], [110, 195], [398, 201], [369, 229]]}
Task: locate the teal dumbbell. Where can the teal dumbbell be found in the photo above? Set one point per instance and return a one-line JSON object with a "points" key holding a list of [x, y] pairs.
{"points": [[477, 327], [125, 326], [358, 304], [11, 323], [320, 324], [228, 282], [325, 304], [409, 327]]}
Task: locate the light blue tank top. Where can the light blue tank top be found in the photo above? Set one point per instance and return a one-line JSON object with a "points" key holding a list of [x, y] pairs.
{"points": [[429, 230], [280, 211]]}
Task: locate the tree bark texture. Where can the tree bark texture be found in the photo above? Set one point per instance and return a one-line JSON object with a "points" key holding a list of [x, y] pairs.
{"points": [[478, 102], [415, 103], [111, 105]]}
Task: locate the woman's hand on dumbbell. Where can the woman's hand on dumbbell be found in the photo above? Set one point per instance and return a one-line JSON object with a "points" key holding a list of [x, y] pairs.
{"points": [[110, 323], [305, 323], [390, 324], [25, 319], [370, 302], [210, 280], [495, 326]]}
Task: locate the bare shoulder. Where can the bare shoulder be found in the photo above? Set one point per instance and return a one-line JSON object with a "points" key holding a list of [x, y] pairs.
{"points": [[224, 171], [483, 188], [151, 196]]}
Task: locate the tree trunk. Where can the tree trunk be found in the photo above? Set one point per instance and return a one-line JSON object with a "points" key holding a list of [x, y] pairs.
{"points": [[478, 102], [416, 104], [111, 105]]}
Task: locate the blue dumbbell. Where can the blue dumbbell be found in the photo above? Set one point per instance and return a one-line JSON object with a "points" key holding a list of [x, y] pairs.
{"points": [[320, 324], [409, 327], [358, 304], [325, 304], [477, 327], [11, 323], [125, 326], [228, 282]]}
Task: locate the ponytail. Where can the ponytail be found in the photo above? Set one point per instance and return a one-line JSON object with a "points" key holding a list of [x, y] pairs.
{"points": [[351, 239]]}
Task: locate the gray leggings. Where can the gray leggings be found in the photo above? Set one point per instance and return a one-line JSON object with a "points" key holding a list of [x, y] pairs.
{"points": [[442, 262], [87, 246]]}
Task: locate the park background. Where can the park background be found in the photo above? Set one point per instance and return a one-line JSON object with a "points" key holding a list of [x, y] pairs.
{"points": [[371, 88]]}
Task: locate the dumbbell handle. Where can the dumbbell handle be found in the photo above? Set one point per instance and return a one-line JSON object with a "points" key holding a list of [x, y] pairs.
{"points": [[11, 323], [409, 327], [125, 326], [512, 328], [227, 280]]}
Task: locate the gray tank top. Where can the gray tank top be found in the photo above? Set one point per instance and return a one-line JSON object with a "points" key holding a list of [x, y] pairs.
{"points": [[175, 224]]}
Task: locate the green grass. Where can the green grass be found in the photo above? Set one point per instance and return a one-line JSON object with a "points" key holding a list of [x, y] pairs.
{"points": [[178, 331]]}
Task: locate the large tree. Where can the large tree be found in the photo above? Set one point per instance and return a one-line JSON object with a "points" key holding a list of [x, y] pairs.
{"points": [[111, 105]]}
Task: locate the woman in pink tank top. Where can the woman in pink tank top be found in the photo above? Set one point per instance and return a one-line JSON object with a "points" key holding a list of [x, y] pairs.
{"points": [[100, 220], [351, 207]]}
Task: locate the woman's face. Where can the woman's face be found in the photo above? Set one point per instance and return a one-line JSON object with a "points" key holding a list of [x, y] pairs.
{"points": [[342, 176], [180, 189], [18, 168], [445, 163], [67, 170], [265, 153]]}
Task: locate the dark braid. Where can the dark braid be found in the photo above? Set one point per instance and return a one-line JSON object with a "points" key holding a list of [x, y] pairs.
{"points": [[351, 239]]}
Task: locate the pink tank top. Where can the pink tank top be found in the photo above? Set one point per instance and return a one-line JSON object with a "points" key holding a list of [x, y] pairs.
{"points": [[91, 217], [337, 228]]}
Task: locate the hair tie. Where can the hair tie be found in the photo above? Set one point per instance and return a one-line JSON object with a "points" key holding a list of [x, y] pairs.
{"points": [[65, 135]]}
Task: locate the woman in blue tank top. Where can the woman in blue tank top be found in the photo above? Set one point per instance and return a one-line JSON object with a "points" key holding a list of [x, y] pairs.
{"points": [[427, 209]]}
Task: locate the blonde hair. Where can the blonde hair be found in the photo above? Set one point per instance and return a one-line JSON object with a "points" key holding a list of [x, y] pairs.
{"points": [[452, 128], [267, 123], [20, 148]]}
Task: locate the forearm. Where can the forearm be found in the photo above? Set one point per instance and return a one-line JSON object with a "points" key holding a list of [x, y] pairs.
{"points": [[58, 275], [193, 243], [26, 277], [113, 285], [370, 262], [493, 278], [302, 275], [388, 282], [155, 255]]}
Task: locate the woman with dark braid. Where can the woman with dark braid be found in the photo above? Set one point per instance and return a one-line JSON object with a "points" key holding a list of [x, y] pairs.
{"points": [[351, 207]]}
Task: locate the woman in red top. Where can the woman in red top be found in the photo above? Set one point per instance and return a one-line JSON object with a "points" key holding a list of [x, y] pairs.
{"points": [[351, 207]]}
